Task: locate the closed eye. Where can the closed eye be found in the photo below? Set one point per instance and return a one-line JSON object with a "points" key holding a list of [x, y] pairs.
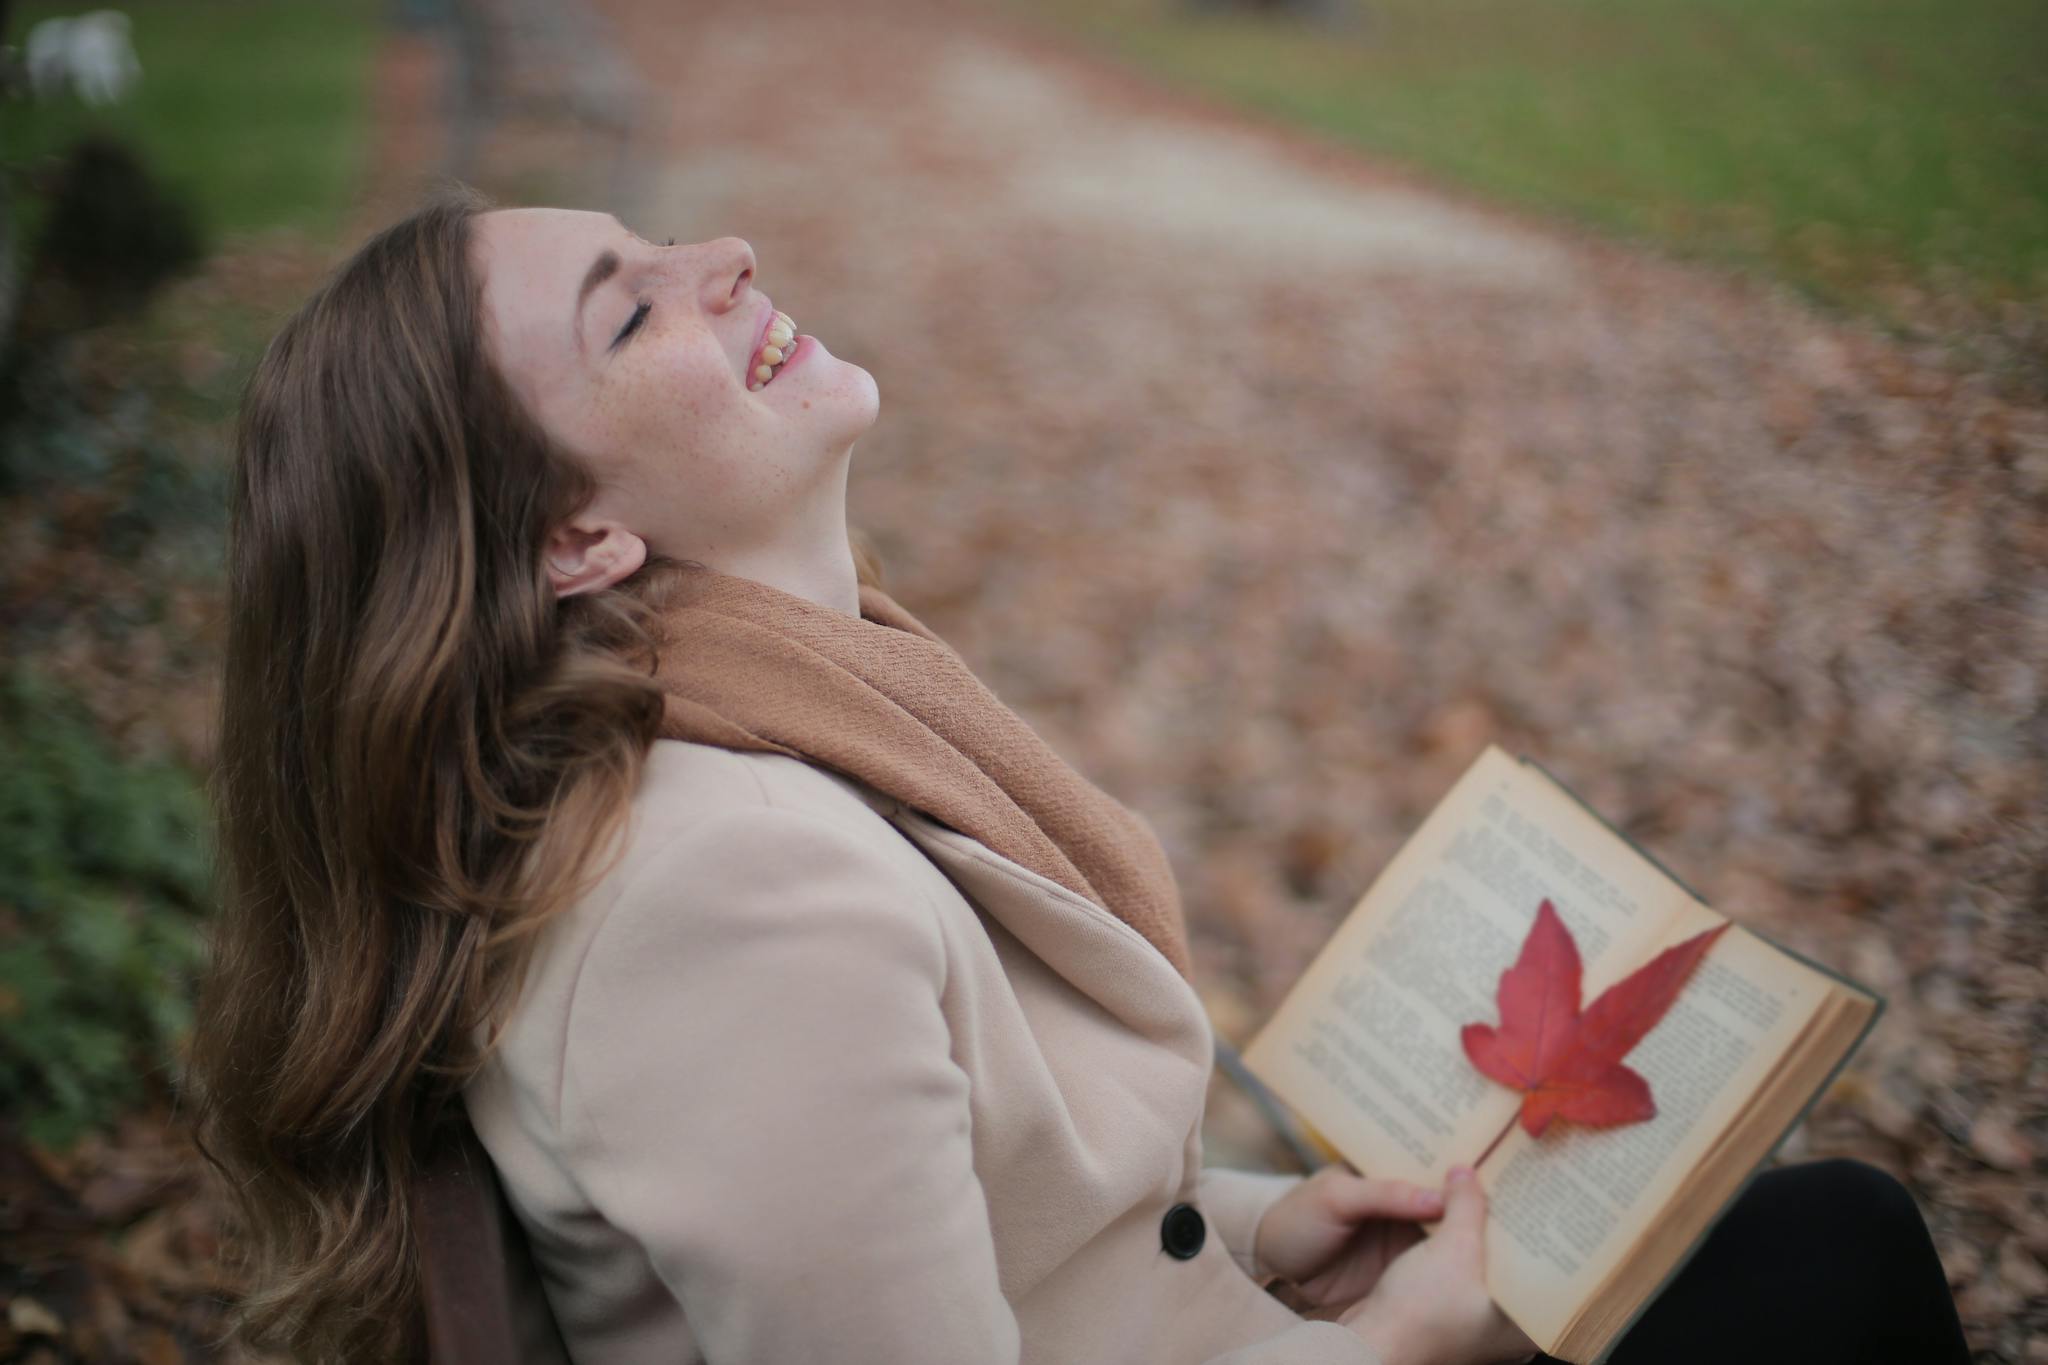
{"points": [[632, 325]]}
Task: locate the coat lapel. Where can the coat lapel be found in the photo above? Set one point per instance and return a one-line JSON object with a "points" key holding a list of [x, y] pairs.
{"points": [[1100, 1093], [1096, 952]]}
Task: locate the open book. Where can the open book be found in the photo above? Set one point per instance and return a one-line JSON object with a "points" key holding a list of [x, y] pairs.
{"points": [[1585, 1226]]}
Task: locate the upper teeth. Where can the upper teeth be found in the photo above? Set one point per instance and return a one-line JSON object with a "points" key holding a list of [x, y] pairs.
{"points": [[775, 348]]}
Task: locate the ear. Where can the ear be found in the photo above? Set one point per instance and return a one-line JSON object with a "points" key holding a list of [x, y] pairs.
{"points": [[587, 556]]}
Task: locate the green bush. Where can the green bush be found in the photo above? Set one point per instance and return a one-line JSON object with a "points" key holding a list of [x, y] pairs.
{"points": [[102, 890]]}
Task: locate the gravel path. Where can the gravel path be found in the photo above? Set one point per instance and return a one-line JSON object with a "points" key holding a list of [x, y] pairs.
{"points": [[1270, 484]]}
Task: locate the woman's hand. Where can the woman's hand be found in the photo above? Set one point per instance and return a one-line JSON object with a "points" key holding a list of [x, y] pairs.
{"points": [[1431, 1306], [1332, 1235]]}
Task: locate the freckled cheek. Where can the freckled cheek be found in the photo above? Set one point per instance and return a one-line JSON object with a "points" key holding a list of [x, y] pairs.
{"points": [[692, 444], [655, 411]]}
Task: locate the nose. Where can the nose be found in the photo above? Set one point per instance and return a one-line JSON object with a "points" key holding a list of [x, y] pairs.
{"points": [[728, 272]]}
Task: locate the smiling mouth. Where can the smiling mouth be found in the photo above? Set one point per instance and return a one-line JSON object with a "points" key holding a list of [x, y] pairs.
{"points": [[776, 348]]}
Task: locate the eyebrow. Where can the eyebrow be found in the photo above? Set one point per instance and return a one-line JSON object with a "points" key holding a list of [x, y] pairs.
{"points": [[603, 268]]}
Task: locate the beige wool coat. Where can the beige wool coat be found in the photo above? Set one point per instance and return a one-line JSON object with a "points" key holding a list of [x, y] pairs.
{"points": [[811, 1077]]}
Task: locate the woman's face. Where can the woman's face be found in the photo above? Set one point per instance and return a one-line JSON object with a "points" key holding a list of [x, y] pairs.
{"points": [[641, 361]]}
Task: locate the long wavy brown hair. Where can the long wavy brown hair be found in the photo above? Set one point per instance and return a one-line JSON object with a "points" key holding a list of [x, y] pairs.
{"points": [[422, 754]]}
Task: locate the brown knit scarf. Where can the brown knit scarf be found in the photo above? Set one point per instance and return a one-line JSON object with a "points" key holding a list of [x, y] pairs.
{"points": [[884, 700]]}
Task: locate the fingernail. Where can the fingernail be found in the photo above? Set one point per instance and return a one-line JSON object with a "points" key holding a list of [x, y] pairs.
{"points": [[1461, 1172]]}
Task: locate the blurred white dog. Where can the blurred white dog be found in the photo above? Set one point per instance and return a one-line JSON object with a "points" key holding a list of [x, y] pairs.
{"points": [[92, 52]]}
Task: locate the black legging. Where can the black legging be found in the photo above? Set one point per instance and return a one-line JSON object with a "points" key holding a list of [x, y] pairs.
{"points": [[1820, 1263]]}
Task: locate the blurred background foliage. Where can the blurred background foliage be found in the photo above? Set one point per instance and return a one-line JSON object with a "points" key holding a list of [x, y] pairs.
{"points": [[152, 244], [101, 897]]}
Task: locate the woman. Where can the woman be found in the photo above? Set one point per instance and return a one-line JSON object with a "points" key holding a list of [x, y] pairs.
{"points": [[577, 773]]}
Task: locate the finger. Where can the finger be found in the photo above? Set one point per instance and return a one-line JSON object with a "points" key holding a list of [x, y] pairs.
{"points": [[1363, 1198], [1464, 1205]]}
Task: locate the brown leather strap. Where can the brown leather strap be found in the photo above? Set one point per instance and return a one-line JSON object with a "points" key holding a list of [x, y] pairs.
{"points": [[459, 1219]]}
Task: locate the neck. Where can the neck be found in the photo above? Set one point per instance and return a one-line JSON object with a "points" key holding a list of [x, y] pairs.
{"points": [[815, 562], [825, 576]]}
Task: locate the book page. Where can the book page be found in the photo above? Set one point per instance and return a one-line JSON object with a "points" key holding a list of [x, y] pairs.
{"points": [[1366, 1046], [1564, 1207]]}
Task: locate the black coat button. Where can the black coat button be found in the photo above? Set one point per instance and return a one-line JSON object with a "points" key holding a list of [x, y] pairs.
{"points": [[1182, 1230]]}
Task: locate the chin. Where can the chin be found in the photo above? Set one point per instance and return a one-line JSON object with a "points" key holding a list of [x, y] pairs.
{"points": [[849, 400]]}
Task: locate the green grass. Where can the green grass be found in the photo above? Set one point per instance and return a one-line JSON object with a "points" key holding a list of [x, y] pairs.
{"points": [[1852, 146], [258, 109]]}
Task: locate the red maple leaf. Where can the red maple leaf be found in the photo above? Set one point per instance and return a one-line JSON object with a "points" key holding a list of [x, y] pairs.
{"points": [[1568, 1064]]}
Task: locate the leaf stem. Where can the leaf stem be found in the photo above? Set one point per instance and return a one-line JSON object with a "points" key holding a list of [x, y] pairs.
{"points": [[1491, 1145]]}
